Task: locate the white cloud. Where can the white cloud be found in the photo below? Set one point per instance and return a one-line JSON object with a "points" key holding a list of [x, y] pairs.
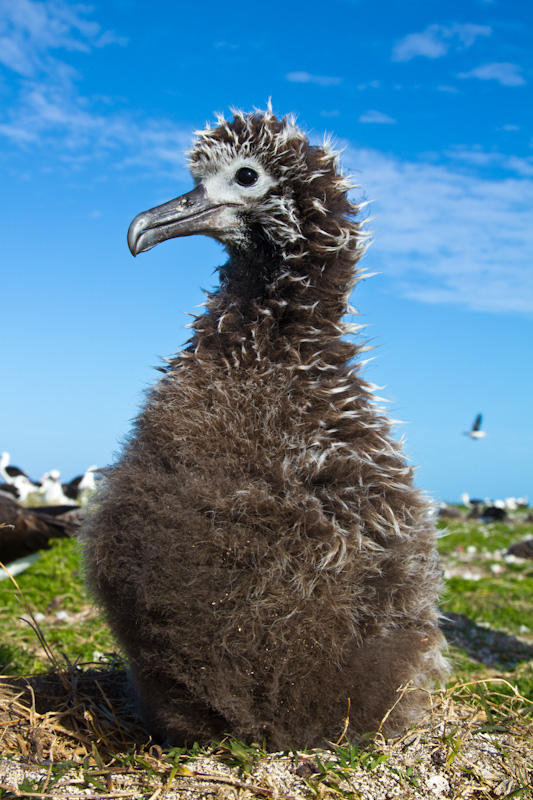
{"points": [[436, 40], [522, 166], [428, 44], [446, 236], [481, 158], [468, 33], [378, 117], [475, 156], [49, 111], [370, 85], [504, 72], [306, 77], [29, 30], [55, 118]]}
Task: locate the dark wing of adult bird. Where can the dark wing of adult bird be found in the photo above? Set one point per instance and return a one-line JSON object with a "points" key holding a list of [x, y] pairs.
{"points": [[81, 485], [17, 482], [522, 549], [475, 432], [71, 489], [8, 470], [29, 529], [260, 549], [9, 489]]}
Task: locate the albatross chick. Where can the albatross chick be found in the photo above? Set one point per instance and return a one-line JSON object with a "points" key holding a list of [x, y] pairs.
{"points": [[260, 550]]}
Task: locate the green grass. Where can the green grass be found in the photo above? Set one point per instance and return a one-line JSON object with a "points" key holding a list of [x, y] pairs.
{"points": [[496, 609], [492, 640], [53, 588], [494, 596], [498, 603]]}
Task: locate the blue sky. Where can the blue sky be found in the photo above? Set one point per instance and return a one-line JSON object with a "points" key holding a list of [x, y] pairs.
{"points": [[432, 104]]}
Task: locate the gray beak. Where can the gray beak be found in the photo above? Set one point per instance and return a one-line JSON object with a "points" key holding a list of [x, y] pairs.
{"points": [[187, 215]]}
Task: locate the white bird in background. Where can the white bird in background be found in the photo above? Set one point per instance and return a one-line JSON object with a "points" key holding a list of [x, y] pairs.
{"points": [[52, 490], [8, 472], [19, 485], [16, 478], [80, 488], [24, 487], [476, 432]]}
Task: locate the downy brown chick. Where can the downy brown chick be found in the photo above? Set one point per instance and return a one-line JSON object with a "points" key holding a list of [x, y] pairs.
{"points": [[260, 550]]}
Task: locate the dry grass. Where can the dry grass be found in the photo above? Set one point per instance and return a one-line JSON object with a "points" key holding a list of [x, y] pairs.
{"points": [[72, 732]]}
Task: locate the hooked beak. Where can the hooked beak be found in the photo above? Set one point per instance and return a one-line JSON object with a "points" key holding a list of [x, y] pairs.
{"points": [[187, 215]]}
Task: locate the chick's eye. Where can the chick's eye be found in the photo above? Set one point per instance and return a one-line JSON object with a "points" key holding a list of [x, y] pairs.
{"points": [[246, 176]]}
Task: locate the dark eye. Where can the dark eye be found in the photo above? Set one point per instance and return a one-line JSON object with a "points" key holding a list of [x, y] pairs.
{"points": [[246, 176]]}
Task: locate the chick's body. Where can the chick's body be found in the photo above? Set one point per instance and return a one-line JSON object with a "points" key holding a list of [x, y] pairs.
{"points": [[260, 550]]}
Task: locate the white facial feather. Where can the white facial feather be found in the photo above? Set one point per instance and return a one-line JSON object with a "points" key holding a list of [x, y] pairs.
{"points": [[279, 155], [222, 186]]}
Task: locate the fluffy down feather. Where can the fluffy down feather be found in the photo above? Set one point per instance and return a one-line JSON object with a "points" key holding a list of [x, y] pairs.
{"points": [[260, 550]]}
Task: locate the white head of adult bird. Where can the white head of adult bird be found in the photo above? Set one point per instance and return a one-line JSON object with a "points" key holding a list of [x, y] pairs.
{"points": [[7, 470], [52, 490], [260, 549], [476, 432], [4, 463]]}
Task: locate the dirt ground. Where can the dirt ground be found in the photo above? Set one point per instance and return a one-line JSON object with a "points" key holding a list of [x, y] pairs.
{"points": [[72, 734]]}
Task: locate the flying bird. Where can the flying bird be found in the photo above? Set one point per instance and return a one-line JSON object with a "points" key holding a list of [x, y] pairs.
{"points": [[260, 549], [476, 432]]}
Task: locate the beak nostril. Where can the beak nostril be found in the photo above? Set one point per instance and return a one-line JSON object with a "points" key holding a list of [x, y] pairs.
{"points": [[189, 214]]}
